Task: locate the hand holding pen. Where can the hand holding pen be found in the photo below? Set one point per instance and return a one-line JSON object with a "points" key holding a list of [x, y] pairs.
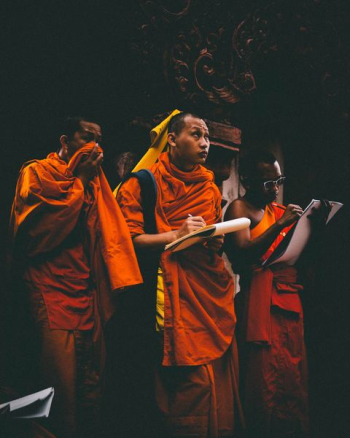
{"points": [[192, 223]]}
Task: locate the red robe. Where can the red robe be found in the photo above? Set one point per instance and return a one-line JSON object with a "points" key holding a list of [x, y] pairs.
{"points": [[272, 347], [199, 317]]}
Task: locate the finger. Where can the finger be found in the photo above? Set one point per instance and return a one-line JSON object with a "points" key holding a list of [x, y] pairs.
{"points": [[214, 247], [218, 238], [294, 206], [196, 226], [98, 160], [199, 222], [195, 218], [94, 153]]}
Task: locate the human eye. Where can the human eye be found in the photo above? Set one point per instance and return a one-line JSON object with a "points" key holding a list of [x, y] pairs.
{"points": [[269, 184], [87, 136]]}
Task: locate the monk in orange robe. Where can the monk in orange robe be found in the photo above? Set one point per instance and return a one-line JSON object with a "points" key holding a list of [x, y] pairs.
{"points": [[192, 319], [270, 315], [75, 250]]}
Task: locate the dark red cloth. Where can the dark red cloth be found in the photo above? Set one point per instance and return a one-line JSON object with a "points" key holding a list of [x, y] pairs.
{"points": [[276, 286], [274, 384], [272, 351]]}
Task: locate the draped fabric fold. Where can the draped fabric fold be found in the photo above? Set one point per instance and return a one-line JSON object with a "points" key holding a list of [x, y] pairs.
{"points": [[109, 231], [273, 285], [198, 291], [265, 288], [49, 203], [272, 351]]}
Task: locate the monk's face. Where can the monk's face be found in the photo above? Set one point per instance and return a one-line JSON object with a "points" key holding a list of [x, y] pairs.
{"points": [[191, 146], [268, 174], [87, 133]]}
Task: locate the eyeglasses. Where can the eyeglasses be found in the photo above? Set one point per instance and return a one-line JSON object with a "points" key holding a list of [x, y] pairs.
{"points": [[268, 185]]}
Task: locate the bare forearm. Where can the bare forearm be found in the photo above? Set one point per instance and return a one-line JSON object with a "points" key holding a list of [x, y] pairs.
{"points": [[250, 251], [154, 241], [256, 248], [158, 241]]}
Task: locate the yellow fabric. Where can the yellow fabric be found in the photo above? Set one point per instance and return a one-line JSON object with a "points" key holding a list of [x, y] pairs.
{"points": [[160, 302], [265, 223], [159, 139]]}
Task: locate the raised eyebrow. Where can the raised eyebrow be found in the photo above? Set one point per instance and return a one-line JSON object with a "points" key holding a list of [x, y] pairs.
{"points": [[201, 129]]}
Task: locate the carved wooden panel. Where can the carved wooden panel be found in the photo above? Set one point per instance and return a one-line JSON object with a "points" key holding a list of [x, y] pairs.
{"points": [[212, 54]]}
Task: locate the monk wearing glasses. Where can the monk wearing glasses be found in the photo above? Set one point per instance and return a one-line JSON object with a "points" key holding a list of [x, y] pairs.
{"points": [[270, 315]]}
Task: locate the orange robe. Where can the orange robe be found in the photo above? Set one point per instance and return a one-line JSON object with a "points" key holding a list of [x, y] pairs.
{"points": [[75, 250], [271, 346], [199, 317], [72, 238]]}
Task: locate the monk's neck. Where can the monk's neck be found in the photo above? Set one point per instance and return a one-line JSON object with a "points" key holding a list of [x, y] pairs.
{"points": [[184, 167], [255, 201]]}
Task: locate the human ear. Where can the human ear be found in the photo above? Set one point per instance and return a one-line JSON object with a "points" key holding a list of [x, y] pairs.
{"points": [[171, 139], [245, 182], [64, 140]]}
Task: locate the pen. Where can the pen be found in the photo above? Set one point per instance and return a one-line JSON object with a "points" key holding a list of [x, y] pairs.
{"points": [[279, 206]]}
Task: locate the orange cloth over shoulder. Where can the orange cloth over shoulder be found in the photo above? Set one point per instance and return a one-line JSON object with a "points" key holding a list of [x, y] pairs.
{"points": [[48, 205], [111, 231], [199, 317]]}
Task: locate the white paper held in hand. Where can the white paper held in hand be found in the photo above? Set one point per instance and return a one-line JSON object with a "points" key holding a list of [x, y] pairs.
{"points": [[292, 246], [207, 232]]}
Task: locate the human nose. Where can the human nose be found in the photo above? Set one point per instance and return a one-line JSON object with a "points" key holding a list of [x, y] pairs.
{"points": [[275, 187], [204, 144]]}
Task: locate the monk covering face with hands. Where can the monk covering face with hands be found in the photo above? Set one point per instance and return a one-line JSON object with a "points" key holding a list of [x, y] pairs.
{"points": [[73, 251]]}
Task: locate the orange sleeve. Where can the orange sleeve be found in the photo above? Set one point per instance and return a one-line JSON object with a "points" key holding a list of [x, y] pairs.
{"points": [[129, 199], [46, 209]]}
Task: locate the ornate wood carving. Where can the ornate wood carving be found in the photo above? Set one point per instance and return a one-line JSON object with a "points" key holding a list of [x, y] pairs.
{"points": [[215, 53]]}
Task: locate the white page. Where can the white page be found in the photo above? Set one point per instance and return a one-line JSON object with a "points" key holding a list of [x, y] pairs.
{"points": [[302, 233], [230, 226], [210, 231], [42, 410]]}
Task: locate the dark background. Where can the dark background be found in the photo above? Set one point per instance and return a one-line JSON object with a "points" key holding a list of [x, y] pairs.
{"points": [[118, 62]]}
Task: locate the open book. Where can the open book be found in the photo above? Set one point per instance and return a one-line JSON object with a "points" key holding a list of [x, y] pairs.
{"points": [[208, 231], [291, 247], [35, 405]]}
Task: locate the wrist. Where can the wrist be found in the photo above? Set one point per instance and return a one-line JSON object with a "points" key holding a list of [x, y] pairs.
{"points": [[175, 235], [280, 225]]}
